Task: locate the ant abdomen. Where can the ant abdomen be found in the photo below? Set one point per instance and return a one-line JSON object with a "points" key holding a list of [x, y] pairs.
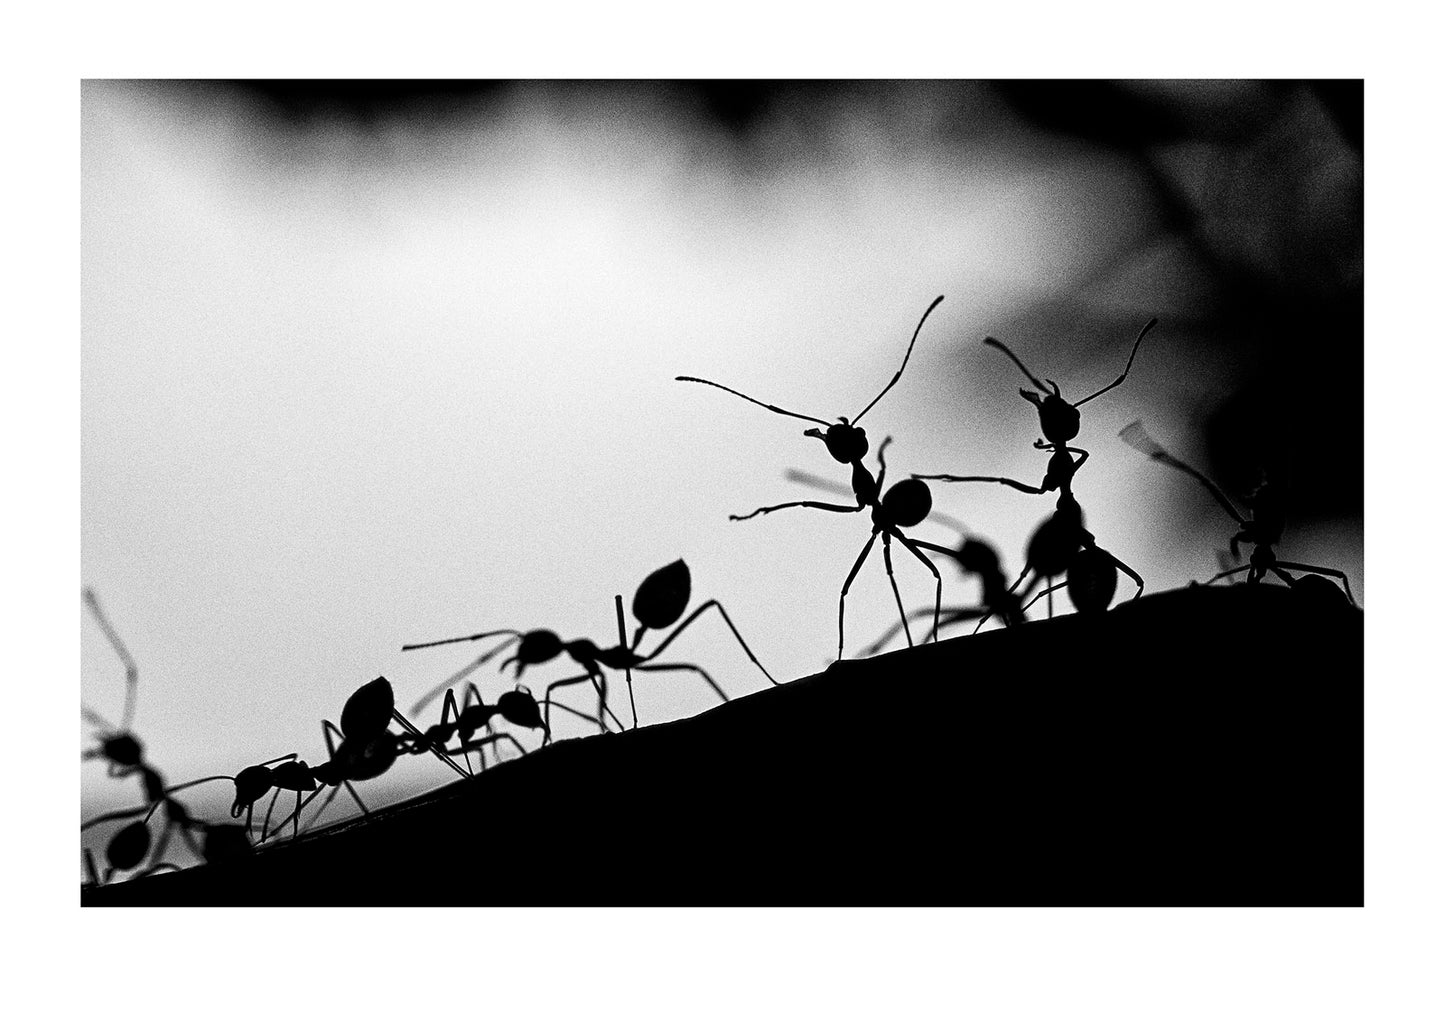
{"points": [[1052, 547], [1320, 591], [368, 710], [377, 756], [662, 596], [908, 502], [520, 708], [128, 847], [1092, 580]]}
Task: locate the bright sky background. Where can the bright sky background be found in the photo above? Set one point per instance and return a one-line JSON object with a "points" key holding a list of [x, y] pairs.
{"points": [[344, 390]]}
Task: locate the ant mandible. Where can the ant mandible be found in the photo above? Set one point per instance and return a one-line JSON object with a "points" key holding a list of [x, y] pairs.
{"points": [[659, 601], [973, 556], [1263, 529], [904, 505], [1059, 421]]}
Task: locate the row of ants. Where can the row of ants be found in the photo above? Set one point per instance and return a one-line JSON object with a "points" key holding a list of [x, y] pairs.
{"points": [[364, 746]]}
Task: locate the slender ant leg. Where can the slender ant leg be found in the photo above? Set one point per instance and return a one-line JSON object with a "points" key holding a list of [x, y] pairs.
{"points": [[857, 566], [1022, 487], [1330, 571], [897, 598], [839, 508], [662, 667], [622, 641], [912, 547], [731, 626]]}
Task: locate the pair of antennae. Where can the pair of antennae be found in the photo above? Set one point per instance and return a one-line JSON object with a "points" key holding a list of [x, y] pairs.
{"points": [[809, 418], [991, 342]]}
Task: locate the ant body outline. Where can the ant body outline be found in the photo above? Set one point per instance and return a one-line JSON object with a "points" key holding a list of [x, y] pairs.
{"points": [[1264, 529], [119, 747], [658, 603]]}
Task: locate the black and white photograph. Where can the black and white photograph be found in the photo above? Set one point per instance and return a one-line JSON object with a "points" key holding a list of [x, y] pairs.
{"points": [[699, 521]]}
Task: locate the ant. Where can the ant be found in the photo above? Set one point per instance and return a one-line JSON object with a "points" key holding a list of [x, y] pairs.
{"points": [[517, 707], [904, 505], [659, 601], [1059, 421], [130, 845], [1264, 528], [121, 749], [973, 556], [846, 442], [367, 749]]}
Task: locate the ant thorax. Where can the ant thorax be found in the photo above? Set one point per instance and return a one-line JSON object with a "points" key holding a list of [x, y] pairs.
{"points": [[1060, 471], [865, 486], [583, 650], [617, 658]]}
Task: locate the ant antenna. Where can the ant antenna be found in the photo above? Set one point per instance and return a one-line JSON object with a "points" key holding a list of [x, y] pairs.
{"points": [[622, 641], [1134, 435], [475, 664], [899, 374], [770, 407], [132, 672], [1147, 327], [990, 342], [464, 638]]}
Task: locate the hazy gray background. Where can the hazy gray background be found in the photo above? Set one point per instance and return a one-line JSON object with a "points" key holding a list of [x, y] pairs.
{"points": [[355, 380]]}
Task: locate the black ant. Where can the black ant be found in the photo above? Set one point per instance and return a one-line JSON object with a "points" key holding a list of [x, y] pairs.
{"points": [[121, 749], [659, 601], [973, 556], [1263, 529], [517, 707], [367, 749], [904, 505], [130, 845], [1059, 421], [846, 442]]}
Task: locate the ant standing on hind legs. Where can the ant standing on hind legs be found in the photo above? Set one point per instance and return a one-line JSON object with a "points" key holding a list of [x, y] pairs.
{"points": [[658, 603], [1264, 528]]}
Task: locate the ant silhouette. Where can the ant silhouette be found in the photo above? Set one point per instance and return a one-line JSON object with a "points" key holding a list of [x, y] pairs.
{"points": [[846, 442], [366, 750], [904, 505], [659, 601], [1059, 421], [974, 556], [1263, 529], [1061, 545], [130, 845], [121, 749], [517, 707]]}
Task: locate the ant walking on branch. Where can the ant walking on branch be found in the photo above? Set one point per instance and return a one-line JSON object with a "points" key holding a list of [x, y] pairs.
{"points": [[516, 707], [973, 556], [1263, 529], [658, 603]]}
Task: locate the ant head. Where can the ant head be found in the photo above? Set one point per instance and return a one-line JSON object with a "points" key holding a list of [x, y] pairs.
{"points": [[252, 783], [368, 711], [534, 648], [1092, 580], [128, 847], [122, 749], [520, 707], [225, 841], [1058, 419], [846, 443], [662, 596], [978, 557], [908, 502]]}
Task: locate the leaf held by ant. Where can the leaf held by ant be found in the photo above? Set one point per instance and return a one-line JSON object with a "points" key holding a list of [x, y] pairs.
{"points": [[662, 596]]}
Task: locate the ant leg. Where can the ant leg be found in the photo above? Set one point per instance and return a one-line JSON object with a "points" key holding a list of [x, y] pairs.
{"points": [[300, 807], [132, 672], [622, 641], [1127, 570], [325, 803], [937, 580], [1022, 487], [580, 715], [954, 615], [1017, 581], [1046, 592], [565, 682], [857, 565], [266, 822], [839, 508], [90, 868], [1226, 574], [417, 734], [731, 627], [1330, 571], [663, 667], [897, 598], [882, 468], [493, 739]]}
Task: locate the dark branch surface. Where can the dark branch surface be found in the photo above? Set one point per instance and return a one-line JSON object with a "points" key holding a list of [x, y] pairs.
{"points": [[1199, 747]]}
